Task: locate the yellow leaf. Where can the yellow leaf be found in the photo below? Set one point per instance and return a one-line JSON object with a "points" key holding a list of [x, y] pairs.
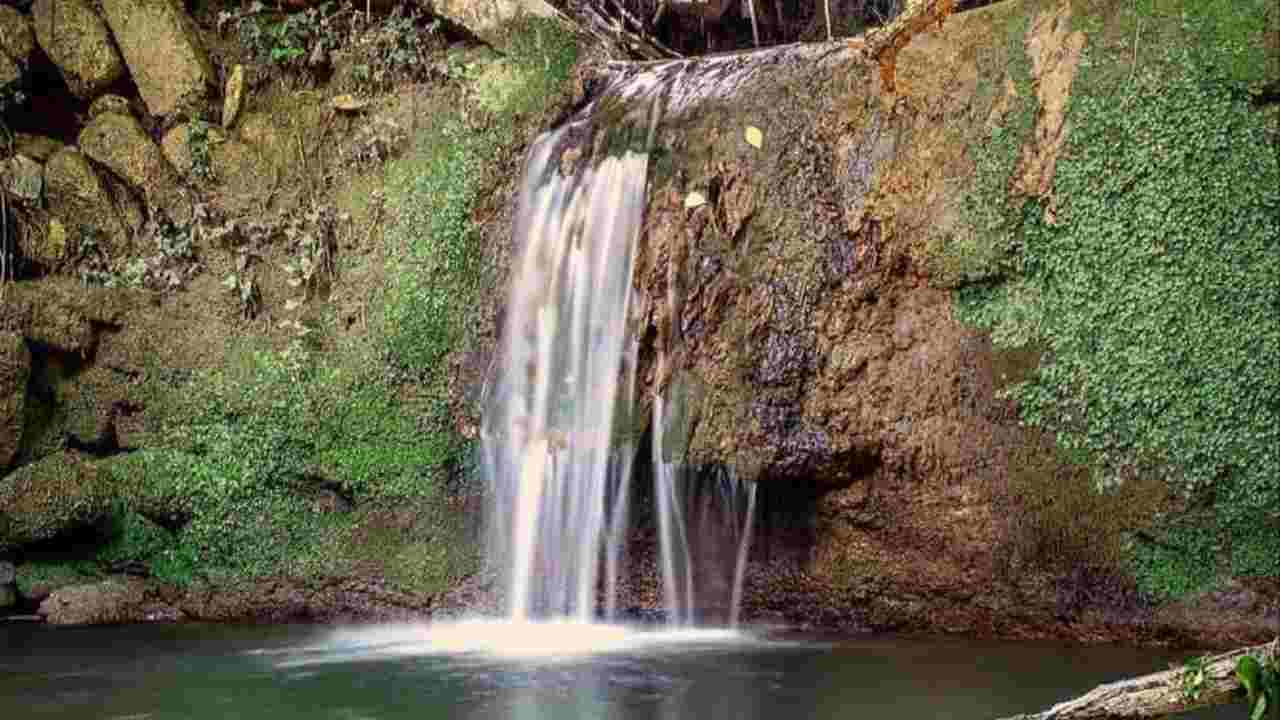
{"points": [[694, 199], [755, 138]]}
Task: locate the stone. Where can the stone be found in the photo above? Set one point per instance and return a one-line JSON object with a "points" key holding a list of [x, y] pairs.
{"points": [[23, 178], [117, 599], [8, 573], [54, 496], [177, 146], [76, 39], [79, 199], [8, 596], [109, 103], [10, 71], [120, 144], [15, 368], [162, 47], [37, 147], [233, 97], [485, 17], [16, 37]]}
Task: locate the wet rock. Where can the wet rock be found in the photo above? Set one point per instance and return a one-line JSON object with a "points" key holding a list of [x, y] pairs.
{"points": [[8, 573], [77, 41], [119, 143], [233, 97], [162, 47], [37, 147], [109, 103], [118, 599], [15, 368], [58, 494], [23, 178], [80, 202]]}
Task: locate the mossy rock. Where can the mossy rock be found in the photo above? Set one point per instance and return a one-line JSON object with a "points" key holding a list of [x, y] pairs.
{"points": [[121, 144], [36, 580], [165, 55], [15, 368], [84, 209], [54, 496], [16, 37], [77, 41]]}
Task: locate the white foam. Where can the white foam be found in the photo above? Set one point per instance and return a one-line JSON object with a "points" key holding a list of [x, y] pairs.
{"points": [[547, 641]]}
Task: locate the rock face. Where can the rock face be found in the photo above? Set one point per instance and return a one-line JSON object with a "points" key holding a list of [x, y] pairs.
{"points": [[164, 53], [119, 143], [15, 368], [79, 198], [115, 600], [77, 40]]}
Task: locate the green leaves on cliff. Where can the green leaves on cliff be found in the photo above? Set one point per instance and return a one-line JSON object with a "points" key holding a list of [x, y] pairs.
{"points": [[1157, 294]]}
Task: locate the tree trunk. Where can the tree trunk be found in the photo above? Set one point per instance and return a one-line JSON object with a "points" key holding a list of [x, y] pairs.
{"points": [[1159, 694]]}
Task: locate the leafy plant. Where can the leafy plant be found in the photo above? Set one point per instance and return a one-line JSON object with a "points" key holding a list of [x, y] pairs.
{"points": [[1261, 682], [1154, 293], [1194, 679]]}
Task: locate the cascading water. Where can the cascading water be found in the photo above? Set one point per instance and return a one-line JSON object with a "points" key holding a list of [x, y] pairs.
{"points": [[558, 430], [558, 478]]}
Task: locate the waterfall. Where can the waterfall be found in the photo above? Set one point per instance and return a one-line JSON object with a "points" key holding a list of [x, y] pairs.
{"points": [[558, 435]]}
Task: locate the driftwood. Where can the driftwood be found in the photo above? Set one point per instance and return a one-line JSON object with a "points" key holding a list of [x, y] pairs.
{"points": [[1160, 694]]}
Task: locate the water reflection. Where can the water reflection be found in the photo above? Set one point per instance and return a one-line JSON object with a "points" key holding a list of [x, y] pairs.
{"points": [[585, 673]]}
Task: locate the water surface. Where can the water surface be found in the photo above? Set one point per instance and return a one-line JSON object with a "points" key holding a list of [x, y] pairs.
{"points": [[487, 670]]}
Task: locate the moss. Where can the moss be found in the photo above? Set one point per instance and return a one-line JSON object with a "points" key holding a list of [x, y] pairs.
{"points": [[38, 578], [55, 496], [1153, 286]]}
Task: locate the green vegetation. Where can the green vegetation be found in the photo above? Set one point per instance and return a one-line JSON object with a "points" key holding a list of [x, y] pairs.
{"points": [[1261, 682], [331, 455], [1154, 287]]}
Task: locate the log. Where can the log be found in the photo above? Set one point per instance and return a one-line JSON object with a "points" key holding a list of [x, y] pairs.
{"points": [[1159, 694]]}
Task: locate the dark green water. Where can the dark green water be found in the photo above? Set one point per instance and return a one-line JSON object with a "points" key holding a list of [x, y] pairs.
{"points": [[384, 673]]}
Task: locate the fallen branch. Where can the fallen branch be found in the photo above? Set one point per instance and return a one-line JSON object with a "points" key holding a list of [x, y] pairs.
{"points": [[1164, 693]]}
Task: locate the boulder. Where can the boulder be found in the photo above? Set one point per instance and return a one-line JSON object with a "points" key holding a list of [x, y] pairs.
{"points": [[233, 97], [485, 17], [16, 37], [182, 145], [163, 49], [109, 103], [23, 178], [77, 41], [15, 368], [17, 42], [79, 200], [10, 71], [118, 142], [56, 495], [37, 147], [118, 599]]}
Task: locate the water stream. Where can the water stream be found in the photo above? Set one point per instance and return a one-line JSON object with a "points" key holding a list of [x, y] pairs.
{"points": [[559, 434]]}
